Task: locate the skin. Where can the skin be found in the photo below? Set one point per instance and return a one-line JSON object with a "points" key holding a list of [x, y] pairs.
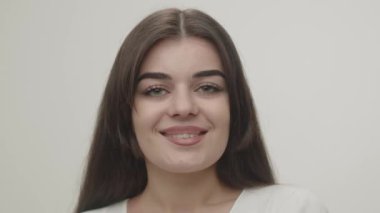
{"points": [[182, 178]]}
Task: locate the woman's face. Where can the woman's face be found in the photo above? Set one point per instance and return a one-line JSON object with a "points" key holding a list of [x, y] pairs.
{"points": [[181, 114]]}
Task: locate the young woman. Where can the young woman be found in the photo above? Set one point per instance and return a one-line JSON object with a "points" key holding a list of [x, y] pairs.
{"points": [[177, 129]]}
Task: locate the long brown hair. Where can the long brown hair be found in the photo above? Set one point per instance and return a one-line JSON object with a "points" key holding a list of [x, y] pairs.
{"points": [[116, 168]]}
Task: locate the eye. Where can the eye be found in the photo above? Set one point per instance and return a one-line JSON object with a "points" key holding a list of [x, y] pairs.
{"points": [[209, 88], [155, 91]]}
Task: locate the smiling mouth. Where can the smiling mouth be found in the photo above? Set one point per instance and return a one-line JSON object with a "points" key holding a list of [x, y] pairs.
{"points": [[184, 136]]}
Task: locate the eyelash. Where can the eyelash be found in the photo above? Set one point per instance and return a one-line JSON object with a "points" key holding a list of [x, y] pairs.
{"points": [[215, 88], [158, 88], [154, 88]]}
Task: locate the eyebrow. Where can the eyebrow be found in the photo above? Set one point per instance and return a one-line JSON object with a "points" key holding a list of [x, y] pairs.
{"points": [[163, 76], [207, 73]]}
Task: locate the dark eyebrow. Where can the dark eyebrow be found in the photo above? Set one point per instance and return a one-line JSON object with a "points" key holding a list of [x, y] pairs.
{"points": [[163, 76], [207, 73], [154, 75]]}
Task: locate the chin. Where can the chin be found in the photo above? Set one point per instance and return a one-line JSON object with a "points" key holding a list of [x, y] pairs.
{"points": [[185, 167]]}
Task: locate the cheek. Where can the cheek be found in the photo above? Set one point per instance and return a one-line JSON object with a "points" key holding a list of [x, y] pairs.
{"points": [[218, 112], [144, 121], [145, 114], [218, 115], [223, 115]]}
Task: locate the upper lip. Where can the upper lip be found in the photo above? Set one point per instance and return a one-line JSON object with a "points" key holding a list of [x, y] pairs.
{"points": [[183, 130]]}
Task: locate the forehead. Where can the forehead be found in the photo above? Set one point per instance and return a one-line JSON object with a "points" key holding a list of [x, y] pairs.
{"points": [[182, 55]]}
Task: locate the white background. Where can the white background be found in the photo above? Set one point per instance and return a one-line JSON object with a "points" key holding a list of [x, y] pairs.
{"points": [[313, 67]]}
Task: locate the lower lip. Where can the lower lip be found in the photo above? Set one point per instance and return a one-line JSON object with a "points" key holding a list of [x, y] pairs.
{"points": [[185, 141]]}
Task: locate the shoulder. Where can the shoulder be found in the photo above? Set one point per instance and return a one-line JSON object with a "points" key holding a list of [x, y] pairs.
{"points": [[278, 198], [120, 207]]}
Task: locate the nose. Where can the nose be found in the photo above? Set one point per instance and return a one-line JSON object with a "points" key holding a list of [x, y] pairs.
{"points": [[183, 105]]}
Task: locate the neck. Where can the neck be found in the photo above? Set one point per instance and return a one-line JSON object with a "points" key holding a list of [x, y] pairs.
{"points": [[173, 191]]}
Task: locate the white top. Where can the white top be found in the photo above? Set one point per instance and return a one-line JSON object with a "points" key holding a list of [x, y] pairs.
{"points": [[268, 199]]}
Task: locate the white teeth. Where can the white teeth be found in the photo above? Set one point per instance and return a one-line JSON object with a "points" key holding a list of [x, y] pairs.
{"points": [[183, 136]]}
